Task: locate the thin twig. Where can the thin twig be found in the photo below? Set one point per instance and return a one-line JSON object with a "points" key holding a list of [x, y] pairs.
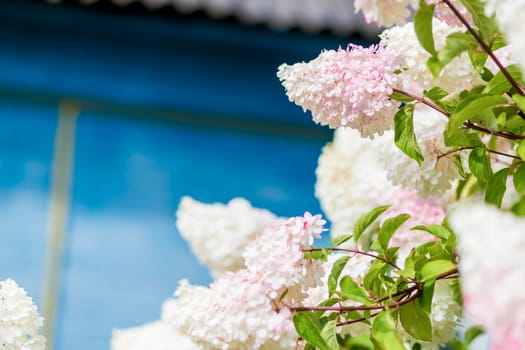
{"points": [[470, 125], [486, 48], [423, 99], [355, 251]]}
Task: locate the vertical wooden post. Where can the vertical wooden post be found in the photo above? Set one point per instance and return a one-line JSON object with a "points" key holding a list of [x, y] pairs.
{"points": [[61, 180]]}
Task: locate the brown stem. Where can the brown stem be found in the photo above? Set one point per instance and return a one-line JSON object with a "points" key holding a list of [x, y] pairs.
{"points": [[423, 99], [355, 251], [470, 147], [485, 48], [470, 125]]}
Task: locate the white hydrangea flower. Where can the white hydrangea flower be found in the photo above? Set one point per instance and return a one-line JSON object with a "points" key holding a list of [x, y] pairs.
{"points": [[351, 180], [218, 233], [510, 16], [152, 336], [158, 335], [457, 75], [386, 12], [444, 316], [19, 319], [491, 246], [437, 172]]}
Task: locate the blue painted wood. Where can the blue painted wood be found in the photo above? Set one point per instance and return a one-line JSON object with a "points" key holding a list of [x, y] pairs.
{"points": [[231, 136], [26, 148], [195, 66]]}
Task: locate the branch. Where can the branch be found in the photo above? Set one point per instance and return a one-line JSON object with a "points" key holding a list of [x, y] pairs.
{"points": [[407, 295], [470, 125], [425, 100], [471, 147], [486, 48], [355, 251]]}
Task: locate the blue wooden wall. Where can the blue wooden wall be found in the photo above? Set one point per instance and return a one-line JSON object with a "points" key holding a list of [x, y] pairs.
{"points": [[167, 107]]}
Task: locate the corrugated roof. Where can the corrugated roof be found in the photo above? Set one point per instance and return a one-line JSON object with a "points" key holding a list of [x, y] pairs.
{"points": [[337, 16]]}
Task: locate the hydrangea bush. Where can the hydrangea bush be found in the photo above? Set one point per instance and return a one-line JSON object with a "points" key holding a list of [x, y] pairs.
{"points": [[423, 185]]}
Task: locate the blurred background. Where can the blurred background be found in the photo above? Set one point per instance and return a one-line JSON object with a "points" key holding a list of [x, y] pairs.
{"points": [[111, 111]]}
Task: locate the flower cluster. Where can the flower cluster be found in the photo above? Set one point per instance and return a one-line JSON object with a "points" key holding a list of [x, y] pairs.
{"points": [[415, 76], [402, 238], [19, 319], [219, 245], [486, 238], [346, 87], [438, 171], [397, 12], [243, 309]]}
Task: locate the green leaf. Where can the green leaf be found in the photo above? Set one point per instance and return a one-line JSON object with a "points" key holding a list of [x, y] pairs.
{"points": [[401, 97], [478, 59], [435, 268], [316, 254], [456, 43], [388, 229], [335, 273], [423, 26], [499, 84], [384, 335], [496, 187], [472, 333], [519, 207], [486, 25], [520, 101], [366, 220], [479, 164], [328, 302], [308, 327], [435, 230], [351, 290], [360, 342], [519, 179], [416, 321], [404, 136], [408, 270], [468, 108], [329, 335], [436, 94], [427, 294], [337, 241], [521, 149], [373, 280]]}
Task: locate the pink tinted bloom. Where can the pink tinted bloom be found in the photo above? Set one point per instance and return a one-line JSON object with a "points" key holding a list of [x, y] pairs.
{"points": [[276, 256], [346, 87], [491, 246], [234, 313], [445, 14]]}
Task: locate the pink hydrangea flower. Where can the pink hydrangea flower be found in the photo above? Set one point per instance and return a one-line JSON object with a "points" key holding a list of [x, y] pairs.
{"points": [[346, 87], [491, 246], [276, 256], [242, 309]]}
